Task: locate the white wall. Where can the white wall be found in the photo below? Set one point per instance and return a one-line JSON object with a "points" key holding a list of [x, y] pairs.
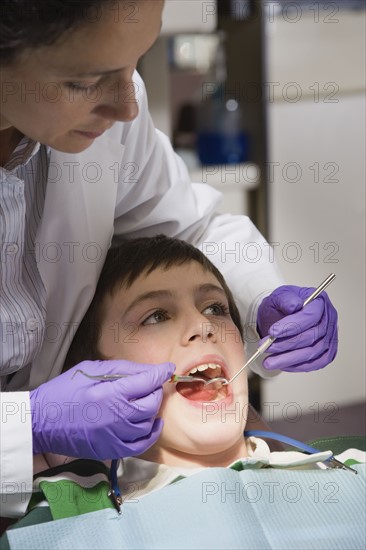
{"points": [[179, 16], [325, 219], [321, 212]]}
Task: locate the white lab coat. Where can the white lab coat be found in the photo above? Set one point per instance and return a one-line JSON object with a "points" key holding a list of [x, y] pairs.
{"points": [[130, 183]]}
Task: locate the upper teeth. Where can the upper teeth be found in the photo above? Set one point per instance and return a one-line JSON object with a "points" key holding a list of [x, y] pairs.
{"points": [[203, 367]]}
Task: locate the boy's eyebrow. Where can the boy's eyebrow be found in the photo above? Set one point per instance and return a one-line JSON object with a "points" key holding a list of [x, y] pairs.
{"points": [[148, 296], [153, 294], [207, 287]]}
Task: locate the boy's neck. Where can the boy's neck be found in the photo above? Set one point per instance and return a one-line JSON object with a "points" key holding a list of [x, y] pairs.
{"points": [[177, 459]]}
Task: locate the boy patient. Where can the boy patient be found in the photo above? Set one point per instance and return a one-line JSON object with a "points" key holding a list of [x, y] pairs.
{"points": [[160, 299]]}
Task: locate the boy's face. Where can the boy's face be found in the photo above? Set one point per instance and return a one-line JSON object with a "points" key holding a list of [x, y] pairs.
{"points": [[181, 315]]}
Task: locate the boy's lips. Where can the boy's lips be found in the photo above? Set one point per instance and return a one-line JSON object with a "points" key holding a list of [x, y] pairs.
{"points": [[207, 367]]}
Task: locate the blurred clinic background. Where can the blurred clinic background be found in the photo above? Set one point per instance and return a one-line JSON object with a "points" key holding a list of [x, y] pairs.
{"points": [[265, 100]]}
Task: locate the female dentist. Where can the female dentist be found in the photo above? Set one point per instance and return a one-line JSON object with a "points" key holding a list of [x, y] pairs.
{"points": [[81, 162]]}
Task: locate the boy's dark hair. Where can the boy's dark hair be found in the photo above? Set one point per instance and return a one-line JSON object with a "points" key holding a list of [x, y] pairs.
{"points": [[123, 265], [33, 23]]}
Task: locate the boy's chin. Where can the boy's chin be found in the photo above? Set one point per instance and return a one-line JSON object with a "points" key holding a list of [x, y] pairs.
{"points": [[214, 435], [220, 452], [208, 445]]}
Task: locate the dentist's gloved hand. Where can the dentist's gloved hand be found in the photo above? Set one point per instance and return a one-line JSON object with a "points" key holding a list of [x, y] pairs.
{"points": [[307, 339], [84, 418]]}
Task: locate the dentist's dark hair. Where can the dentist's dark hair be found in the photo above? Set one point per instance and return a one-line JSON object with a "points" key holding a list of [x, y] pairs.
{"points": [[27, 24], [123, 265]]}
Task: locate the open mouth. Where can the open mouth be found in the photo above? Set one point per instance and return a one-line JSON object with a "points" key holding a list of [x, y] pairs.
{"points": [[198, 391]]}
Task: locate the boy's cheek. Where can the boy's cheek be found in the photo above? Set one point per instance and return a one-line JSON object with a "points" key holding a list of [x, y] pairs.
{"points": [[229, 333], [168, 390]]}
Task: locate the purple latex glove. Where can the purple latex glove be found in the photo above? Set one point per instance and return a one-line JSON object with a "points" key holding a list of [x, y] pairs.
{"points": [[107, 419], [307, 339]]}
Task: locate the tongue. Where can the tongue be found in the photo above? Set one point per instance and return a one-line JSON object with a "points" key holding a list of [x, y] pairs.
{"points": [[197, 391]]}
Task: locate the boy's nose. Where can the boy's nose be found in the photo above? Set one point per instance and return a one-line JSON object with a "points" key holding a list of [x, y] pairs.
{"points": [[201, 329]]}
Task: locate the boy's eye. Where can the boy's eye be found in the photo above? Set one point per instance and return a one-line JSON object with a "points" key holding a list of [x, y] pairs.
{"points": [[216, 309], [158, 316]]}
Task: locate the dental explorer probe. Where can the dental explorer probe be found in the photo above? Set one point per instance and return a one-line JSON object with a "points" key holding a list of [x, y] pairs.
{"points": [[260, 350]]}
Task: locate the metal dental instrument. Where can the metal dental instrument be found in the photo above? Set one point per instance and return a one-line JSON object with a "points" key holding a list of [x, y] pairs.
{"points": [[100, 376], [260, 350]]}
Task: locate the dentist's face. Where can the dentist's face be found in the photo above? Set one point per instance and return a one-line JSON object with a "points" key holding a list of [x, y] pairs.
{"points": [[181, 315], [67, 94]]}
